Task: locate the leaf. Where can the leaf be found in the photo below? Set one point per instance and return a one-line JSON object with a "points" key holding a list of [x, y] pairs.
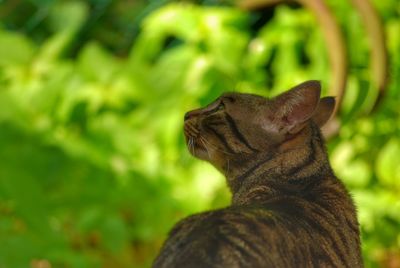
{"points": [[68, 15], [96, 64], [15, 49], [114, 233], [388, 164]]}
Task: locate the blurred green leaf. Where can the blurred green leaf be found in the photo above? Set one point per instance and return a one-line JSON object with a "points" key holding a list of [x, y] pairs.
{"points": [[387, 164], [67, 15], [15, 49]]}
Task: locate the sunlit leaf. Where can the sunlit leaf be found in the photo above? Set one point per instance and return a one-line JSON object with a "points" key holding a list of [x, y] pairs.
{"points": [[15, 49], [387, 164]]}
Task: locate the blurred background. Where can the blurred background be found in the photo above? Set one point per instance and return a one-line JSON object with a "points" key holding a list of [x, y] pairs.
{"points": [[94, 170]]}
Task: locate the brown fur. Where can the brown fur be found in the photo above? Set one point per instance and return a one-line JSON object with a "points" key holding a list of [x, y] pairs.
{"points": [[288, 208]]}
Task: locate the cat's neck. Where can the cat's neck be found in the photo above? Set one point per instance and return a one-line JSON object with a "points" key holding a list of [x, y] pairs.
{"points": [[294, 168]]}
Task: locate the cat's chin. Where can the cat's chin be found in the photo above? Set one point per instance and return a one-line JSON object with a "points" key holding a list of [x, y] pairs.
{"points": [[200, 153], [208, 156]]}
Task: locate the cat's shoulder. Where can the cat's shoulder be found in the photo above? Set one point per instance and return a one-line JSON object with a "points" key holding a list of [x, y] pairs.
{"points": [[190, 222], [209, 222]]}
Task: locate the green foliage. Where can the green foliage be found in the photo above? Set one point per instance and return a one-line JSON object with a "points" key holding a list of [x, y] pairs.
{"points": [[93, 166]]}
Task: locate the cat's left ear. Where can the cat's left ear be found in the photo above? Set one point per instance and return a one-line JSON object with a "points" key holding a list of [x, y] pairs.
{"points": [[292, 109]]}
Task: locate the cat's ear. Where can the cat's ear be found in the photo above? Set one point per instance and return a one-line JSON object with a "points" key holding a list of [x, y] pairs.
{"points": [[324, 110], [293, 108]]}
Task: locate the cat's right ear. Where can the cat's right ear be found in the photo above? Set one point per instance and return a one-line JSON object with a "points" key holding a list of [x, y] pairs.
{"points": [[324, 110]]}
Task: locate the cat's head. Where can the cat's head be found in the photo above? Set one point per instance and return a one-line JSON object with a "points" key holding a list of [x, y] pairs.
{"points": [[237, 125]]}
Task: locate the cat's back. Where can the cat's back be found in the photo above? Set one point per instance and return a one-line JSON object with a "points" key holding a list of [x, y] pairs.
{"points": [[286, 232]]}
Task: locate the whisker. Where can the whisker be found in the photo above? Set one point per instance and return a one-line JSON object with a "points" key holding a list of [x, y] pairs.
{"points": [[205, 146], [192, 144]]}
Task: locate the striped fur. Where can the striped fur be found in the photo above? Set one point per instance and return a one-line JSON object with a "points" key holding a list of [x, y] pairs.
{"points": [[288, 208]]}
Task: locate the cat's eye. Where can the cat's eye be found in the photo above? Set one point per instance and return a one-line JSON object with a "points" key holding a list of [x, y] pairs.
{"points": [[230, 99], [221, 106], [216, 106]]}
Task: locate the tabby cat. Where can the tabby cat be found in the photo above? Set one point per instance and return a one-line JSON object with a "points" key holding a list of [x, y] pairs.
{"points": [[288, 208]]}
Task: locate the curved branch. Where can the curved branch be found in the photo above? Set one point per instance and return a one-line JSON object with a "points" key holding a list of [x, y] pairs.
{"points": [[379, 55], [254, 4], [335, 46], [333, 38]]}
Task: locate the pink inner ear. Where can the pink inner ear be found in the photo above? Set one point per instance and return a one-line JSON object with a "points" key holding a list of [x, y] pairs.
{"points": [[297, 105], [301, 101], [302, 111]]}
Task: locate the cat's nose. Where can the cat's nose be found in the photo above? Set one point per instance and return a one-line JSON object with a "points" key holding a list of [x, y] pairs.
{"points": [[191, 114], [188, 115]]}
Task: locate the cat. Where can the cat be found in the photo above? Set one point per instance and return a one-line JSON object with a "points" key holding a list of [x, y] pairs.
{"points": [[288, 209]]}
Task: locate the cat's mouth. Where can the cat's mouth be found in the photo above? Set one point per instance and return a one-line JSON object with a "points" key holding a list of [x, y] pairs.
{"points": [[195, 143]]}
